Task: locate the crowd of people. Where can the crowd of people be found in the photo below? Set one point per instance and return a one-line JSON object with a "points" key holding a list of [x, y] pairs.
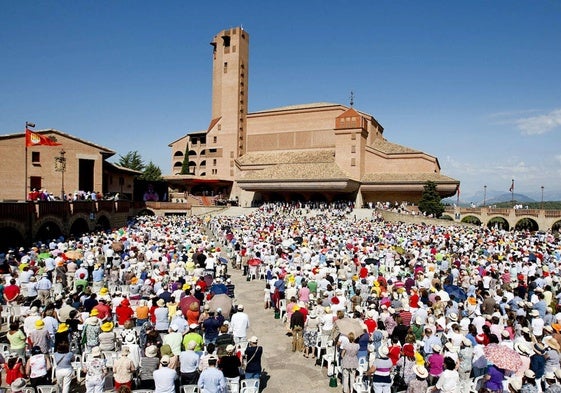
{"points": [[453, 309], [152, 305], [149, 306]]}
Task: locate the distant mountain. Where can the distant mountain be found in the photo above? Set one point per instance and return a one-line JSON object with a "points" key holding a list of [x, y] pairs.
{"points": [[492, 197]]}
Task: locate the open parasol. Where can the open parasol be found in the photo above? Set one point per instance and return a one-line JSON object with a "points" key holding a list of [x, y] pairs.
{"points": [[348, 325], [254, 262], [503, 356], [223, 302], [73, 254]]}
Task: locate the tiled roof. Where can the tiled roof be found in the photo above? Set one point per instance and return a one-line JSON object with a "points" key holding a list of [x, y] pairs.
{"points": [[388, 177], [391, 148], [296, 107], [300, 171], [287, 157]]}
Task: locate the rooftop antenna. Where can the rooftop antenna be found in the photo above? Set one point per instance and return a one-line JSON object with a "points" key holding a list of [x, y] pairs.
{"points": [[352, 98]]}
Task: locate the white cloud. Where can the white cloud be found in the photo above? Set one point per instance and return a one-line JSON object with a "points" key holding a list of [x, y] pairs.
{"points": [[537, 125]]}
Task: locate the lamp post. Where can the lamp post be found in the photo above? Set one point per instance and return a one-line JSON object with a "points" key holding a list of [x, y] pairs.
{"points": [[60, 166], [28, 125], [542, 198], [485, 195]]}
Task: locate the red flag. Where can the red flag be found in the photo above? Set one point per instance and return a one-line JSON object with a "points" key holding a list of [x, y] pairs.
{"points": [[35, 139], [511, 189]]}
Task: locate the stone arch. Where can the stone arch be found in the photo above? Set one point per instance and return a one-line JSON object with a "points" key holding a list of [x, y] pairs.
{"points": [[12, 234], [499, 222], [48, 228], [146, 212], [471, 220], [79, 225], [527, 223], [103, 223], [556, 227]]}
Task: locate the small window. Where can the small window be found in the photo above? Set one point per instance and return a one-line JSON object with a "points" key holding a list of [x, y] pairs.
{"points": [[35, 182], [214, 139], [35, 157], [214, 162], [353, 149], [353, 162], [353, 136], [219, 127], [225, 67]]}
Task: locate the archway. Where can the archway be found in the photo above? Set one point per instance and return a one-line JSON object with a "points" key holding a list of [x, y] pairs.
{"points": [[102, 224], [48, 231], [10, 237], [526, 224], [146, 212], [556, 227], [498, 223], [471, 220], [79, 227]]}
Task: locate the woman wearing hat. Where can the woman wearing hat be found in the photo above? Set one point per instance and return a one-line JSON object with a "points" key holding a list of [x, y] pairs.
{"points": [[62, 334], [38, 367], [552, 354], [107, 337], [529, 384], [230, 365], [381, 371], [95, 370], [148, 364], [161, 317], [91, 330], [124, 312], [311, 330], [123, 369], [407, 362], [435, 364], [418, 384]]}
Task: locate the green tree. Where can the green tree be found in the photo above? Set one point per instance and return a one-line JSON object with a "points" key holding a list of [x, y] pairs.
{"points": [[185, 164], [132, 160], [430, 203], [152, 172]]}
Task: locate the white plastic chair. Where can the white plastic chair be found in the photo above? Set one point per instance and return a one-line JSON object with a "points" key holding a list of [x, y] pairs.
{"points": [[476, 384], [143, 390], [250, 383], [47, 389], [362, 366], [282, 308], [361, 386], [248, 389], [189, 389], [328, 357]]}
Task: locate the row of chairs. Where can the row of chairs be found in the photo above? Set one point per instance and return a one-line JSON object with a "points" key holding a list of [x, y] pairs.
{"points": [[245, 386]]}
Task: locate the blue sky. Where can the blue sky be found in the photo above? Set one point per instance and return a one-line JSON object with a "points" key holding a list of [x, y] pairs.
{"points": [[476, 84]]}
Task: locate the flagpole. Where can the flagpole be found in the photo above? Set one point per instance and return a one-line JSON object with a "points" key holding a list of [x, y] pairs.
{"points": [[27, 124]]}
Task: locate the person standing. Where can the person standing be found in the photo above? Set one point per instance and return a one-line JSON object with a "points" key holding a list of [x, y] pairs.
{"points": [[211, 379], [239, 323], [123, 369], [164, 377], [253, 354], [349, 362], [64, 371], [95, 371]]}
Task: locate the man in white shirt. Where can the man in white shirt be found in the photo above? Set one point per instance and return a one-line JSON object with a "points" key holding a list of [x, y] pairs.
{"points": [[164, 377], [239, 323]]}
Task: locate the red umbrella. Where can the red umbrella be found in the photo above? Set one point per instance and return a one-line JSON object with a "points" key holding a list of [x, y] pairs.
{"points": [[254, 262], [503, 356]]}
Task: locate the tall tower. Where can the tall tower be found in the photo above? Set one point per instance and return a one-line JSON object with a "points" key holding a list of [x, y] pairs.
{"points": [[229, 98]]}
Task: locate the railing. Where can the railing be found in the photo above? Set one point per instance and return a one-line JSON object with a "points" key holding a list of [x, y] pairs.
{"points": [[553, 213], [83, 207], [527, 212], [20, 211], [55, 208], [168, 205], [503, 212]]}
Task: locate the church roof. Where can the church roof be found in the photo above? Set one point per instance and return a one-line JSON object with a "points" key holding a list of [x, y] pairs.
{"points": [[299, 171], [296, 107], [287, 157], [387, 147], [393, 177]]}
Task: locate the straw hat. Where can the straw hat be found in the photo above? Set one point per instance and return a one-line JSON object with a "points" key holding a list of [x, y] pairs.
{"points": [[151, 351], [164, 361], [94, 312], [420, 371], [107, 326], [18, 384], [39, 324], [552, 343], [103, 291], [192, 344], [453, 317], [230, 348], [515, 383], [436, 348], [161, 302], [529, 374], [253, 340], [63, 327], [383, 351]]}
